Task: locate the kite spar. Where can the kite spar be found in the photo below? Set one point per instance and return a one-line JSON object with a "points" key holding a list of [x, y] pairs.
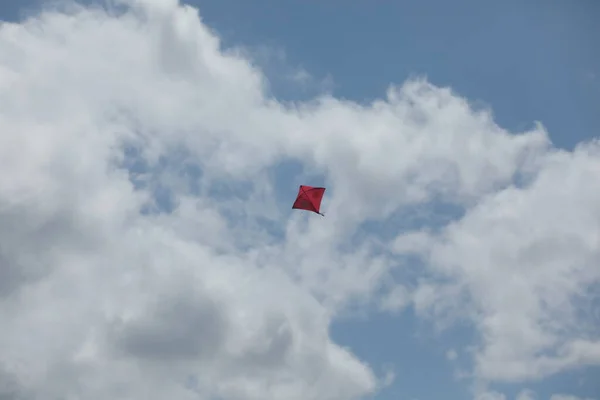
{"points": [[309, 199]]}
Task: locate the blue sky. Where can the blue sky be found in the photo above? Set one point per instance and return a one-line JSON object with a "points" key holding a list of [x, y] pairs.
{"points": [[532, 60], [528, 61]]}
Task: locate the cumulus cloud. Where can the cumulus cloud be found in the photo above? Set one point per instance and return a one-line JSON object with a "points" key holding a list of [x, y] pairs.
{"points": [[523, 260], [144, 252]]}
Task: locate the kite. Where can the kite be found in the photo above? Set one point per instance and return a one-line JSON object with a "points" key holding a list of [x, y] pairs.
{"points": [[309, 199]]}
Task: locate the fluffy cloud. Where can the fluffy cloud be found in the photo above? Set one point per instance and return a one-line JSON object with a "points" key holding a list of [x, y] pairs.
{"points": [[522, 262], [215, 290]]}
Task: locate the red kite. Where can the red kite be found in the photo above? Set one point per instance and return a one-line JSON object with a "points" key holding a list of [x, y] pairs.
{"points": [[309, 199]]}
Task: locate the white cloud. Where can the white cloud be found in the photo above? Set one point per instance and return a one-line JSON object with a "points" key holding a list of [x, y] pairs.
{"points": [[207, 299], [523, 259]]}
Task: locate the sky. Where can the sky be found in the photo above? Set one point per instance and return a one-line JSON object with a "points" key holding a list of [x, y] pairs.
{"points": [[150, 151]]}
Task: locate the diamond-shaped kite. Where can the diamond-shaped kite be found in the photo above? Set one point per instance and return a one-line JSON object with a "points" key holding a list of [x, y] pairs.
{"points": [[309, 199]]}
